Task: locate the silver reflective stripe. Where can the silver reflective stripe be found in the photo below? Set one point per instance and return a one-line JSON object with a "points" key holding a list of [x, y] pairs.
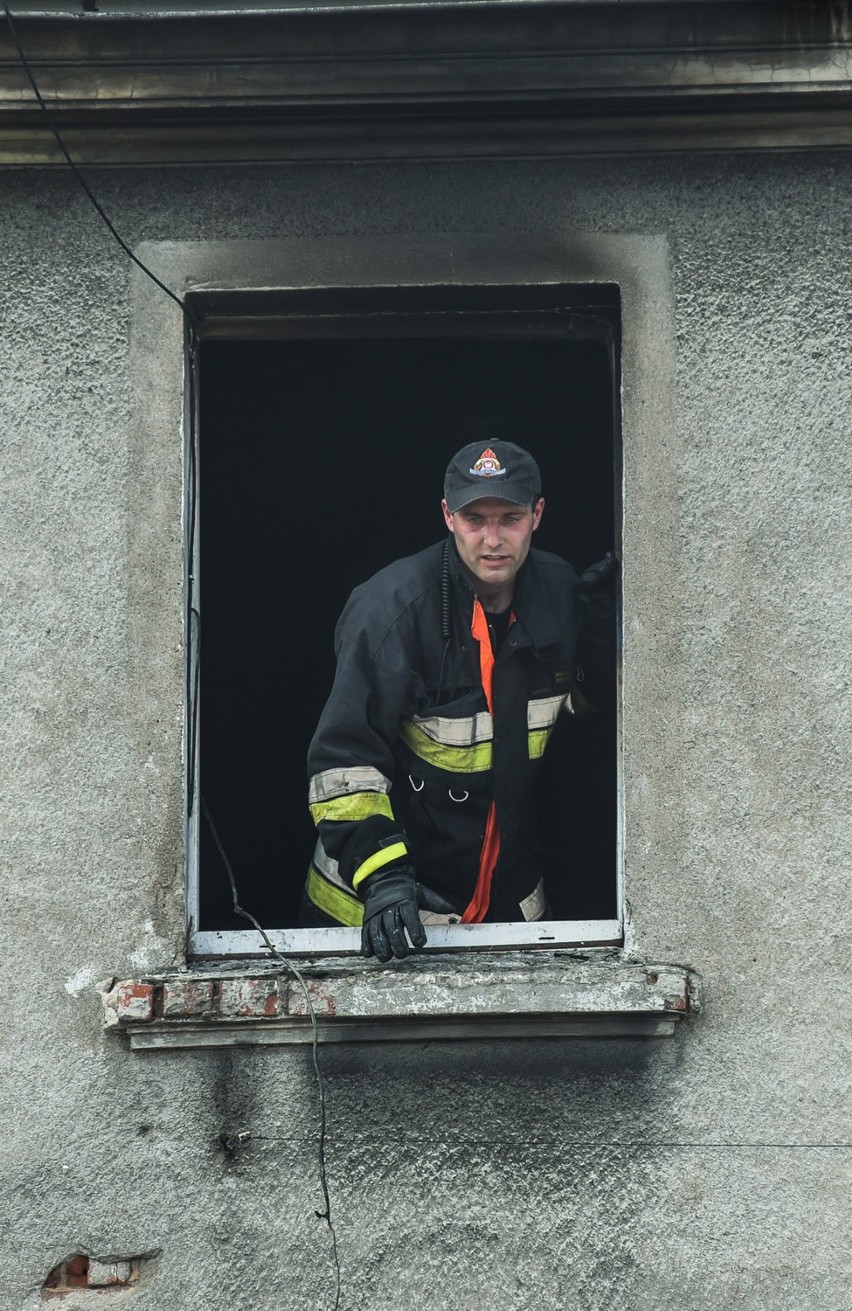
{"points": [[333, 783], [544, 713], [327, 866], [456, 732], [534, 906]]}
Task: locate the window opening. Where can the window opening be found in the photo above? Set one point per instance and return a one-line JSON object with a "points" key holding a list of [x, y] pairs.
{"points": [[322, 443]]}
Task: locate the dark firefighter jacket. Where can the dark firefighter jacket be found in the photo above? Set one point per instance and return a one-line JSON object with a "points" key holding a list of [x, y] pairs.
{"points": [[406, 758]]}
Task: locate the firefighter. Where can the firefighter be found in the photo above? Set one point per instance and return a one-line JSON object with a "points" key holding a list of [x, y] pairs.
{"points": [[453, 666]]}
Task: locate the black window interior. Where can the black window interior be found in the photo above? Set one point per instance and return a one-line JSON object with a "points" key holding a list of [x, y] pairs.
{"points": [[322, 445]]}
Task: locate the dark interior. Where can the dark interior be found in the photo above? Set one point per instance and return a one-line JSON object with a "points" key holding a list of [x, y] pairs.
{"points": [[320, 460]]}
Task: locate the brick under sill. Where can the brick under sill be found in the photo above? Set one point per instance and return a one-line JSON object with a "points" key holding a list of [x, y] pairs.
{"points": [[498, 995]]}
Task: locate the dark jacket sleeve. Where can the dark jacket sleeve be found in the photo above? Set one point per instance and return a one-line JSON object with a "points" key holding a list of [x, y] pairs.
{"points": [[350, 758]]}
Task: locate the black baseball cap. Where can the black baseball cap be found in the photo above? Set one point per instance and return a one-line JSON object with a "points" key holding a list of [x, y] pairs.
{"points": [[502, 470]]}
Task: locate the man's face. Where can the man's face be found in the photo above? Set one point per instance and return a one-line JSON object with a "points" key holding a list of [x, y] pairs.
{"points": [[493, 538]]}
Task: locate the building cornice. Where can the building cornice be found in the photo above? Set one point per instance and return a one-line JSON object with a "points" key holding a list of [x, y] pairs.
{"points": [[131, 83]]}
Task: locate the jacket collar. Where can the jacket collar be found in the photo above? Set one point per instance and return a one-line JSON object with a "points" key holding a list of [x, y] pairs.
{"points": [[534, 619]]}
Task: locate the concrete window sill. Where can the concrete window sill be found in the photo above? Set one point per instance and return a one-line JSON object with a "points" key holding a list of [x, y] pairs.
{"points": [[497, 995]]}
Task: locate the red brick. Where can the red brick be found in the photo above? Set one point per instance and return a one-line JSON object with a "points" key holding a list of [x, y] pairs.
{"points": [[134, 1001], [249, 998], [77, 1271]]}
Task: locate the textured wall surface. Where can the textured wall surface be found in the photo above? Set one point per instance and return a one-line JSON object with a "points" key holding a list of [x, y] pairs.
{"points": [[710, 1170]]}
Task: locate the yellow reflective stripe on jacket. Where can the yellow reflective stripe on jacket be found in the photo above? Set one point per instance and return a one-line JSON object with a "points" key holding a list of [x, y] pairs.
{"points": [[472, 759], [340, 905], [379, 858], [542, 715], [355, 805], [538, 741]]}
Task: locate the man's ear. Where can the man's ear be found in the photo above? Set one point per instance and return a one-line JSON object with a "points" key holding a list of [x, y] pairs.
{"points": [[448, 518], [538, 511]]}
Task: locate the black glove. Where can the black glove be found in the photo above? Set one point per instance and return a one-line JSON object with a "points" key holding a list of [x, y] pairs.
{"points": [[390, 908], [600, 574], [596, 594], [391, 903]]}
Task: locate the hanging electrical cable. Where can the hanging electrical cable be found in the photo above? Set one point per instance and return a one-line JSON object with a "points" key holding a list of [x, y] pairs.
{"points": [[325, 1214], [193, 622], [75, 169]]}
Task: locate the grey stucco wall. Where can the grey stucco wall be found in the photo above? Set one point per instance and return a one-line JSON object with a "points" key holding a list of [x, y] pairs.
{"points": [[709, 1170]]}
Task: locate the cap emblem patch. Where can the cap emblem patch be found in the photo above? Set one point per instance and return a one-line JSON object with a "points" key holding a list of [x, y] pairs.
{"points": [[487, 466]]}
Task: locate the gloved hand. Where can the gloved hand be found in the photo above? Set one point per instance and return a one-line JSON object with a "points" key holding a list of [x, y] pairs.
{"points": [[600, 574], [391, 903], [596, 594], [390, 909], [596, 607]]}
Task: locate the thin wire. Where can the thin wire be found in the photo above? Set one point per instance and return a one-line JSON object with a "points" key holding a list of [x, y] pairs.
{"points": [[193, 615], [76, 171], [288, 964]]}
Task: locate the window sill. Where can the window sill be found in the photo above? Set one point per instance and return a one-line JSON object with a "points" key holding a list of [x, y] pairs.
{"points": [[522, 995]]}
